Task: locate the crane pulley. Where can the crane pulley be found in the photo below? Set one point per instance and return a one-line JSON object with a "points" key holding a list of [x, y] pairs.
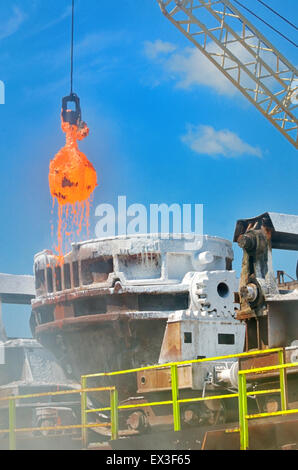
{"points": [[241, 52]]}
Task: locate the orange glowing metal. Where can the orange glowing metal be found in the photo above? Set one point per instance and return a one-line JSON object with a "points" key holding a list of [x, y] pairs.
{"points": [[72, 180], [72, 177]]}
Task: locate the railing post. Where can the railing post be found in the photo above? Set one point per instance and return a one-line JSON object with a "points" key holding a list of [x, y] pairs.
{"points": [[114, 414], [12, 424], [243, 424], [83, 413], [282, 380], [175, 397]]}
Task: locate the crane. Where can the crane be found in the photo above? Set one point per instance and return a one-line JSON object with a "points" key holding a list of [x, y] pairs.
{"points": [[241, 52]]}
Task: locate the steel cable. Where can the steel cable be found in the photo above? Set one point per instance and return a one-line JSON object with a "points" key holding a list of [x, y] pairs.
{"points": [[266, 23]]}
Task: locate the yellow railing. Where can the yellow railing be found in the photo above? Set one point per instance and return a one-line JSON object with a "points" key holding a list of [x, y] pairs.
{"points": [[12, 413], [243, 415], [175, 400]]}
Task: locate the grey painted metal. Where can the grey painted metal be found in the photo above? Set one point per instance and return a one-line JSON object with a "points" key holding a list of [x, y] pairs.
{"points": [[282, 319], [284, 223], [134, 268], [148, 265], [209, 327], [3, 336], [240, 51], [212, 312], [37, 367], [17, 289]]}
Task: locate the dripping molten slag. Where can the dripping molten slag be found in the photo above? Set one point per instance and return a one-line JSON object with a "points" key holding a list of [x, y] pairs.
{"points": [[72, 180]]}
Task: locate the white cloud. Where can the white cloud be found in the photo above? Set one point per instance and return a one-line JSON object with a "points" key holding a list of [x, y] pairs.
{"points": [[189, 67], [206, 140], [154, 49], [12, 24]]}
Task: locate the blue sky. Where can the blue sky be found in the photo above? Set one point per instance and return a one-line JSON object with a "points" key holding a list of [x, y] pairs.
{"points": [[144, 108]]}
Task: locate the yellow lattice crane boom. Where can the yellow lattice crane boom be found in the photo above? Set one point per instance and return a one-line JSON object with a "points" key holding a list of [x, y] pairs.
{"points": [[241, 52]]}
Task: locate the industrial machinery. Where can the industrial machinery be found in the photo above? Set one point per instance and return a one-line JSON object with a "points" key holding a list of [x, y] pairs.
{"points": [[261, 303], [127, 302], [268, 313], [122, 303], [268, 310], [29, 369], [107, 306]]}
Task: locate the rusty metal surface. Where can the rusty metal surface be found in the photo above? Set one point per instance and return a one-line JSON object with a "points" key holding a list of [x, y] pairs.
{"points": [[264, 434], [259, 361], [72, 295], [171, 350], [269, 311], [285, 229], [265, 361], [160, 379], [270, 434], [106, 307], [88, 345], [288, 286]]}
